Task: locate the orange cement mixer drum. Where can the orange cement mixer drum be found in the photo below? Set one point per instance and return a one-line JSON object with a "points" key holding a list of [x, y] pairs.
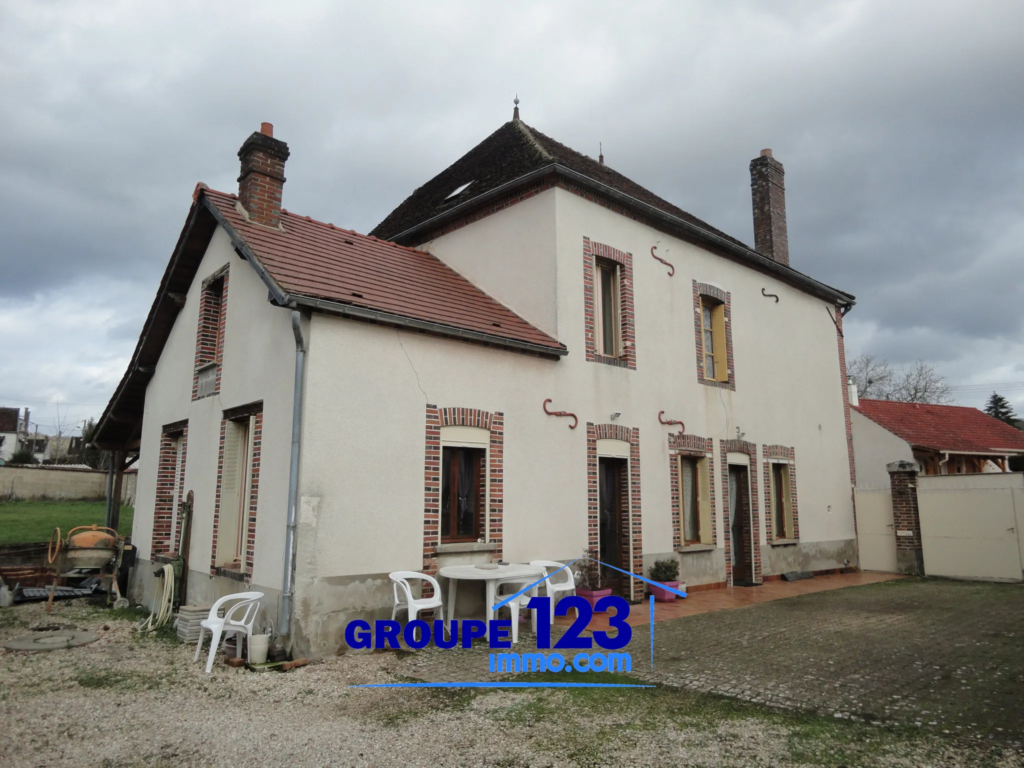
{"points": [[93, 537]]}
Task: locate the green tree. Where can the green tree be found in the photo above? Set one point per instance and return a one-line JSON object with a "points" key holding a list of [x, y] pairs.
{"points": [[999, 407], [90, 455]]}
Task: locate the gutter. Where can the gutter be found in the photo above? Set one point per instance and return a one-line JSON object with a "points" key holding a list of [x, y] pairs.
{"points": [[786, 274], [288, 588], [387, 318]]}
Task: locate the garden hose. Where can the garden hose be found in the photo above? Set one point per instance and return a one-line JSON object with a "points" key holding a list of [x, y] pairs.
{"points": [[157, 618]]}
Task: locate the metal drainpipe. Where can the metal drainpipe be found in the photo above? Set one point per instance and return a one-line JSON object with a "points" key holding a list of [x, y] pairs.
{"points": [[293, 479], [943, 462]]}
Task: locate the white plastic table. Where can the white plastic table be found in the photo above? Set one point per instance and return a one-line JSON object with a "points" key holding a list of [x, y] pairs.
{"points": [[490, 577]]}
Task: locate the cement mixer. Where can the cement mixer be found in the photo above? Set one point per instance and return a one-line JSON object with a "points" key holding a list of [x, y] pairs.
{"points": [[86, 548]]}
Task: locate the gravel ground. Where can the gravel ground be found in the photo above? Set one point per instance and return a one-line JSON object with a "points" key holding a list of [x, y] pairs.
{"points": [[127, 700]]}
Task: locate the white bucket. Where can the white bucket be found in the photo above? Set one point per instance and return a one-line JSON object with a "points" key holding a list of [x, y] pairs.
{"points": [[258, 648]]}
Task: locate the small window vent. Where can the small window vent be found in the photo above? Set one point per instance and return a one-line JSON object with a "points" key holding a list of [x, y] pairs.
{"points": [[459, 190]]}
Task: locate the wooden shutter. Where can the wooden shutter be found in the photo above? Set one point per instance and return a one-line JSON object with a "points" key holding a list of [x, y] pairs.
{"points": [[704, 499], [718, 329]]}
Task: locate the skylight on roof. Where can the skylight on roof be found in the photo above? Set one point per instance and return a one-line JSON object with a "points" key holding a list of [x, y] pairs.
{"points": [[458, 190]]}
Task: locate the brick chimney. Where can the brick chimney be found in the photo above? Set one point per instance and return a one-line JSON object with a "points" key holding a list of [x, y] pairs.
{"points": [[768, 194], [259, 187]]}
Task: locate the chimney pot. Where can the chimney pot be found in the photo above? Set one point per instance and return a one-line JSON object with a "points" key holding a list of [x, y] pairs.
{"points": [[768, 197], [262, 179]]}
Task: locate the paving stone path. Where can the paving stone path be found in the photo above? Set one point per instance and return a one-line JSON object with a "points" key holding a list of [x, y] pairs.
{"points": [[948, 656]]}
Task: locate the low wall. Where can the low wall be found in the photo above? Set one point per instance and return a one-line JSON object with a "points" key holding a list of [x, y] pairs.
{"points": [[43, 482]]}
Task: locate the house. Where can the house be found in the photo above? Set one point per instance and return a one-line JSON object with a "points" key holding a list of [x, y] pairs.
{"points": [[941, 439], [530, 356], [12, 426]]}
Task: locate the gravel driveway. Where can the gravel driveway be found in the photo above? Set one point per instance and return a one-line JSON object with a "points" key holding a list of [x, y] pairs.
{"points": [[127, 700]]}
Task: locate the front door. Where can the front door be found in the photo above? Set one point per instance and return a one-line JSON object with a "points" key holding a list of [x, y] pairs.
{"points": [[739, 526], [612, 506]]}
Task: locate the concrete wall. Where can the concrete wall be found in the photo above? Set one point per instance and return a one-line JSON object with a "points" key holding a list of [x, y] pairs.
{"points": [[873, 448], [59, 483], [8, 445], [259, 354], [367, 388]]}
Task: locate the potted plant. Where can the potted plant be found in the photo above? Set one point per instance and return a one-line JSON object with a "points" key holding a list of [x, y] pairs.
{"points": [[588, 579], [664, 572]]}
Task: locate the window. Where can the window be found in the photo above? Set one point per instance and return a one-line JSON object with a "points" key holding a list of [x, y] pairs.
{"points": [[713, 348], [782, 506], [695, 500], [208, 343], [463, 493], [235, 492], [608, 308]]}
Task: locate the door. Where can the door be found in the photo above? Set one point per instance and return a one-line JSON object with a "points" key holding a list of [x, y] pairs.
{"points": [[739, 524], [612, 505], [876, 536]]}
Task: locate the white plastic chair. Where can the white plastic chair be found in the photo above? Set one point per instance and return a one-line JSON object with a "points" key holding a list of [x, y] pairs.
{"points": [[564, 585], [513, 606], [405, 601], [238, 618]]}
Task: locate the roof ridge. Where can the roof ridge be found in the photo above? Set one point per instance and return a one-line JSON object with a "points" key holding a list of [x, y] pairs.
{"points": [[528, 133]]}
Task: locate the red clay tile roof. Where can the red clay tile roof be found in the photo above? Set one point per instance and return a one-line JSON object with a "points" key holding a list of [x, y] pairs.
{"points": [[944, 427], [311, 258]]}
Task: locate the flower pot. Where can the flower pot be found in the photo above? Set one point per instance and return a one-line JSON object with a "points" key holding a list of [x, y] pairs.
{"points": [[592, 596], [663, 595]]}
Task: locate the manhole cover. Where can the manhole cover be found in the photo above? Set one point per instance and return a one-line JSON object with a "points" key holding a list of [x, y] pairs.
{"points": [[49, 641]]}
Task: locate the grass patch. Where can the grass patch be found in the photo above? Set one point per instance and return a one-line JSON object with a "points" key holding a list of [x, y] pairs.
{"points": [[122, 680], [610, 715], [29, 522]]}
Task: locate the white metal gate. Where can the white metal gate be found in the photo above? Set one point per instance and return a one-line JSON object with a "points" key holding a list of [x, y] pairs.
{"points": [[875, 534], [971, 525]]}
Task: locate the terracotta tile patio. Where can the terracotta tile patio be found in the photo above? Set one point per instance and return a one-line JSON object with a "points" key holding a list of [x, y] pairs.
{"points": [[734, 597]]}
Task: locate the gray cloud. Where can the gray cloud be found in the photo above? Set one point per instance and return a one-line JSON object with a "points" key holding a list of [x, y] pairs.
{"points": [[898, 124]]}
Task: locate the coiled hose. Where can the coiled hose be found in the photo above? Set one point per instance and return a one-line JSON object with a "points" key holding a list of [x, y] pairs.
{"points": [[157, 618]]}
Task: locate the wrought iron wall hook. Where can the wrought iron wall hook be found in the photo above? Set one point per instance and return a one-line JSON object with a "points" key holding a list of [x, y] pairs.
{"points": [[575, 421], [670, 422], [769, 295], [671, 269]]}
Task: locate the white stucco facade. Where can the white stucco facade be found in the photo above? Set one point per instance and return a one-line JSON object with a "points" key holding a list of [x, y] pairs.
{"points": [[257, 366], [367, 389]]}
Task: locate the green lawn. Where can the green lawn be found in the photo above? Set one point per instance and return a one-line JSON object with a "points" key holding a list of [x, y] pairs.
{"points": [[26, 522]]}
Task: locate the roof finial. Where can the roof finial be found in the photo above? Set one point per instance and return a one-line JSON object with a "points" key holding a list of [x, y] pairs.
{"points": [[515, 112], [600, 151]]}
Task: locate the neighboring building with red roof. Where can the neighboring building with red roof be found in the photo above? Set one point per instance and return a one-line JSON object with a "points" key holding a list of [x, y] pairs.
{"points": [[531, 355], [942, 439]]}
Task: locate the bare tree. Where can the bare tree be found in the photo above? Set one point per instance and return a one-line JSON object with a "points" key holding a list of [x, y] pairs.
{"points": [[920, 383], [872, 376], [916, 383]]}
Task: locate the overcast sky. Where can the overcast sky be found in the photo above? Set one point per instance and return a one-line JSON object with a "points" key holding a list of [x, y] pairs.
{"points": [[899, 124]]}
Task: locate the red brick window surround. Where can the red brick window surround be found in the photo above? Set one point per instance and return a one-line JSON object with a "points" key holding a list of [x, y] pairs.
{"points": [[634, 553], [213, 299], [750, 449], [718, 303], [237, 496], [773, 456], [592, 253], [170, 481], [493, 529], [696, 447]]}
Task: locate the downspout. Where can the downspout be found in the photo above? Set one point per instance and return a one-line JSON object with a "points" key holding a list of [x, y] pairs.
{"points": [[287, 592], [943, 462]]}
